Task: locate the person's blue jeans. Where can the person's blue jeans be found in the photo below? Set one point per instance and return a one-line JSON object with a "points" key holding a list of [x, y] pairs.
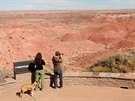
{"points": [[56, 74]]}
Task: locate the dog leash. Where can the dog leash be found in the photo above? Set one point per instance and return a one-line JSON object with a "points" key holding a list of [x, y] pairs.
{"points": [[33, 98]]}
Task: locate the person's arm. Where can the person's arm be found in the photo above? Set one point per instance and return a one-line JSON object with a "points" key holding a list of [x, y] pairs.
{"points": [[43, 64], [58, 59]]}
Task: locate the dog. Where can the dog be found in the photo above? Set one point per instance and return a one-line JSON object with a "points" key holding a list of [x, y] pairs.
{"points": [[28, 87]]}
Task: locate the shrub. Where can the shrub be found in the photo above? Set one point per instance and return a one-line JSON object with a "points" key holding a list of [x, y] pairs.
{"points": [[120, 62], [100, 69], [5, 73], [115, 70]]}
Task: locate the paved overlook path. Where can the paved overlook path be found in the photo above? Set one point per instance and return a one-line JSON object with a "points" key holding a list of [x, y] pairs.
{"points": [[67, 93]]}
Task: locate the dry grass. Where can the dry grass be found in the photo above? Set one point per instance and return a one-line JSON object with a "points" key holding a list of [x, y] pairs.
{"points": [[5, 73], [120, 62]]}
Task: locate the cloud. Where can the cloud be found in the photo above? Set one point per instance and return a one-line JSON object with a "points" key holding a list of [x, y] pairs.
{"points": [[57, 2], [121, 0]]}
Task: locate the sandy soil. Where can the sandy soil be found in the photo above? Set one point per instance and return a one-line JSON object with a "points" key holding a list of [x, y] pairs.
{"points": [[72, 93]]}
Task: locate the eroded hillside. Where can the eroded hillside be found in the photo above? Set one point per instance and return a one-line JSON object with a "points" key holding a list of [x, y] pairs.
{"points": [[83, 36]]}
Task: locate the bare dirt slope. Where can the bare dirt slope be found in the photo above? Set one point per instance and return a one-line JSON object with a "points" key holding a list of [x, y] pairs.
{"points": [[75, 33]]}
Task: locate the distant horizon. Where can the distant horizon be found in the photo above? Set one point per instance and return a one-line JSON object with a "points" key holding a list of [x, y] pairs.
{"points": [[19, 5], [69, 10]]}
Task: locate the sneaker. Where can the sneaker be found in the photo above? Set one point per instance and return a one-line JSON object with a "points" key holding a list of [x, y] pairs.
{"points": [[42, 90], [60, 86], [54, 87], [37, 89], [51, 86]]}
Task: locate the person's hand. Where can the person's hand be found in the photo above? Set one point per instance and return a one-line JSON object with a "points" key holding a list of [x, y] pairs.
{"points": [[61, 55], [43, 67]]}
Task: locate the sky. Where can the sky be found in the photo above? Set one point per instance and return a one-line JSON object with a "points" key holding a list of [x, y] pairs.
{"points": [[65, 4]]}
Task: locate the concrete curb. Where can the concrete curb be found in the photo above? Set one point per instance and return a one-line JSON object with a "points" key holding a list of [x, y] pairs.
{"points": [[101, 75], [123, 76], [7, 81]]}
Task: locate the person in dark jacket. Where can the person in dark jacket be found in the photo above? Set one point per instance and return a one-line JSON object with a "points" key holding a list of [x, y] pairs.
{"points": [[39, 75], [57, 61]]}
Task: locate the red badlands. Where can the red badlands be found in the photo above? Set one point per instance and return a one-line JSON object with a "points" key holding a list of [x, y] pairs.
{"points": [[83, 36]]}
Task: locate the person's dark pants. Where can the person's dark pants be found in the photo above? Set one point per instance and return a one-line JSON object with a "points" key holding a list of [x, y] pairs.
{"points": [[56, 74]]}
